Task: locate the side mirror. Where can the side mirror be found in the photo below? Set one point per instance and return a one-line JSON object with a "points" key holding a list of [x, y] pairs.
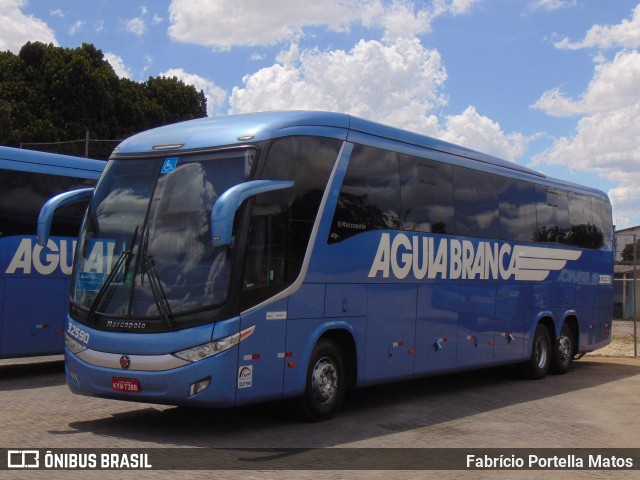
{"points": [[227, 204], [49, 209]]}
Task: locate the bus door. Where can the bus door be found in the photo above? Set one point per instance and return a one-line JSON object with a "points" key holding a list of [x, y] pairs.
{"points": [[390, 337], [261, 355]]}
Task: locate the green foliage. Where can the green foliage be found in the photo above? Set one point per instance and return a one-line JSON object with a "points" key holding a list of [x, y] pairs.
{"points": [[627, 251], [50, 94]]}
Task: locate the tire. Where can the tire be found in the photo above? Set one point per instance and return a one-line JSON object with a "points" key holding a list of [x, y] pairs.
{"points": [[325, 384], [539, 363], [564, 349]]}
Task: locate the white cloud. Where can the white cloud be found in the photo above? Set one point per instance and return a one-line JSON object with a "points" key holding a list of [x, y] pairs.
{"points": [[483, 134], [396, 81], [227, 23], [117, 63], [607, 136], [399, 20], [16, 28], [551, 5], [76, 27], [458, 7], [625, 34], [99, 27], [625, 203], [216, 96], [397, 84], [136, 25], [607, 143], [56, 13], [148, 63], [614, 85]]}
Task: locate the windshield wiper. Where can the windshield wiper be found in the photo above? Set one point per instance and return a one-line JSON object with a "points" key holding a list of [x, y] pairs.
{"points": [[108, 283], [97, 301], [159, 295]]}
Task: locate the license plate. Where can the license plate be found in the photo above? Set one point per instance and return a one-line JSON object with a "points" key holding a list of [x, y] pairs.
{"points": [[125, 384]]}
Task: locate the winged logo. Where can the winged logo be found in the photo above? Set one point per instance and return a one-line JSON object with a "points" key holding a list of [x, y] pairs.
{"points": [[534, 264]]}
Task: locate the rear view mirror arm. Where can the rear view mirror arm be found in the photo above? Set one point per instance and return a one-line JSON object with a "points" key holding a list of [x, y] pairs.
{"points": [[227, 204], [45, 219]]}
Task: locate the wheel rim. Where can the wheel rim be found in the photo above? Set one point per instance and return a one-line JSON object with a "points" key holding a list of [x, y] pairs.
{"points": [[324, 380], [542, 352], [565, 347]]}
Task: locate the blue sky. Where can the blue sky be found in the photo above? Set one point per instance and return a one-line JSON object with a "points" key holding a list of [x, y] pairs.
{"points": [[551, 84]]}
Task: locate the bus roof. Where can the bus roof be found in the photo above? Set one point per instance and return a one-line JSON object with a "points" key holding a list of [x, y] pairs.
{"points": [[53, 163], [211, 132]]}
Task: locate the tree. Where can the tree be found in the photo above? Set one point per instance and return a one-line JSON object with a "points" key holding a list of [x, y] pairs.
{"points": [[50, 94], [627, 251]]}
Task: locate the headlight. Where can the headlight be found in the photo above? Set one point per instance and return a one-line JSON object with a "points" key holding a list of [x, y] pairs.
{"points": [[72, 345], [206, 350]]}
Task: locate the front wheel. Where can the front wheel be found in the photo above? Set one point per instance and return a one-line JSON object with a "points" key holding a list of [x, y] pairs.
{"points": [[538, 365], [326, 382], [563, 351]]}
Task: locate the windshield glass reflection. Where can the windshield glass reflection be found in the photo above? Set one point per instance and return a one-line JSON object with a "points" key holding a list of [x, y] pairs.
{"points": [[161, 222]]}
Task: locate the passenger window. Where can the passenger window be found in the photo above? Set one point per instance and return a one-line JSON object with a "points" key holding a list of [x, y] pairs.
{"points": [[427, 195], [370, 194], [24, 194], [517, 202], [552, 208], [603, 227], [581, 229], [476, 203]]}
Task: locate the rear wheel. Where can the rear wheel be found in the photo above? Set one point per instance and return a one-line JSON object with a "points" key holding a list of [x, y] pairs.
{"points": [[538, 365], [326, 382], [563, 351]]}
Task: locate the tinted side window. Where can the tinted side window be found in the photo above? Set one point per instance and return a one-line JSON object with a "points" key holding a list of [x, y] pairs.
{"points": [[281, 221], [517, 202], [552, 208], [24, 194], [427, 195], [476, 203], [580, 225], [370, 194], [546, 203], [602, 223], [563, 217]]}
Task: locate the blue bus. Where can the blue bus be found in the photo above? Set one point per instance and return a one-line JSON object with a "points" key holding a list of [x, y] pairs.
{"points": [[240, 259], [34, 280]]}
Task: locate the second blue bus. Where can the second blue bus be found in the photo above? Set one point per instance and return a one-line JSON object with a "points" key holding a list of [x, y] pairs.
{"points": [[34, 280]]}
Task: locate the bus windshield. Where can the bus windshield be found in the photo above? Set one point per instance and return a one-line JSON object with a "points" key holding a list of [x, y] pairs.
{"points": [[145, 247]]}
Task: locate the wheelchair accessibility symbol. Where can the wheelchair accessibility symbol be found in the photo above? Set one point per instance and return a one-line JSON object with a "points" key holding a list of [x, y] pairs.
{"points": [[169, 165]]}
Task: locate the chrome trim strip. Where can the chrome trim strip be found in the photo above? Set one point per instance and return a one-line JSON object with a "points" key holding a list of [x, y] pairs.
{"points": [[146, 363]]}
